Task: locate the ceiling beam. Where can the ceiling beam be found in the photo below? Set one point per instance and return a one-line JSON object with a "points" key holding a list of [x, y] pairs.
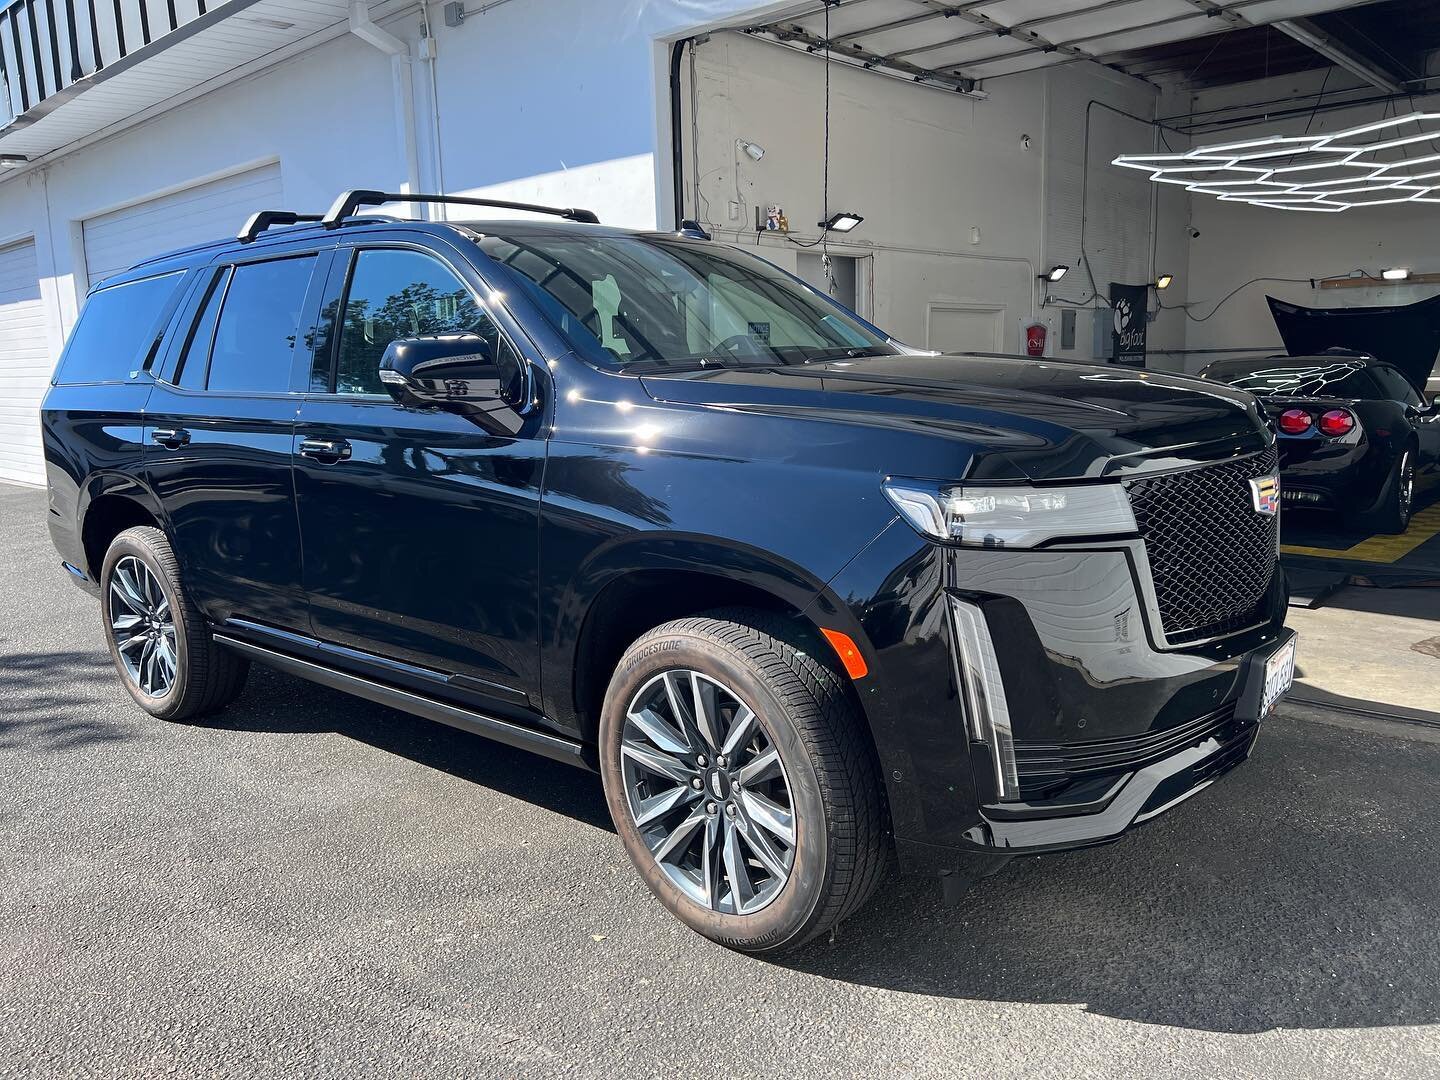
{"points": [[1338, 53]]}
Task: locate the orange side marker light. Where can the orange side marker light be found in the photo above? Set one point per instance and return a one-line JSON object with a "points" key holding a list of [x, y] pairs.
{"points": [[848, 652]]}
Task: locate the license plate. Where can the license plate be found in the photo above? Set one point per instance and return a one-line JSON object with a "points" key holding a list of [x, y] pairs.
{"points": [[1279, 676]]}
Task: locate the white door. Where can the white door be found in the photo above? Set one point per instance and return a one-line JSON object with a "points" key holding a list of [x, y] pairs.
{"points": [[964, 328], [194, 215], [25, 364]]}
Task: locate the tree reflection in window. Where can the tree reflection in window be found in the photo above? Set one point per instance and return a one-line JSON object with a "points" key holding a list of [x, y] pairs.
{"points": [[399, 294]]}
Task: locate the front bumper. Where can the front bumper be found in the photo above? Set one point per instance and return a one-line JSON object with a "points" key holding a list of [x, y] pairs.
{"points": [[1110, 723]]}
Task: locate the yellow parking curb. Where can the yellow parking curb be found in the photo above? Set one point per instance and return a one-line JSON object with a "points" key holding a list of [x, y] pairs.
{"points": [[1380, 549]]}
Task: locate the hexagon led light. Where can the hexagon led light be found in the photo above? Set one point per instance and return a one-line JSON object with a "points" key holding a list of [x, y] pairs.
{"points": [[1369, 165]]}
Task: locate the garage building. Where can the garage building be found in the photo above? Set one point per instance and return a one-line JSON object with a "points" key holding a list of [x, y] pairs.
{"points": [[974, 141]]}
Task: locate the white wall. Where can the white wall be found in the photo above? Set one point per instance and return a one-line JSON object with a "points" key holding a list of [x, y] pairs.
{"points": [[564, 101], [958, 212], [1239, 242]]}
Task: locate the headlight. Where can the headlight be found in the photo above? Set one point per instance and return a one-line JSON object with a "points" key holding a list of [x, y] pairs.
{"points": [[1011, 515]]}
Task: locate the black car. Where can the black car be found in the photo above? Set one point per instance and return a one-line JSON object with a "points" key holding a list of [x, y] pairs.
{"points": [[1356, 435], [644, 503]]}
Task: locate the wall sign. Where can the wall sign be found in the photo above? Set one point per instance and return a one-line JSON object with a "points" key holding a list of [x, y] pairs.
{"points": [[1127, 333]]}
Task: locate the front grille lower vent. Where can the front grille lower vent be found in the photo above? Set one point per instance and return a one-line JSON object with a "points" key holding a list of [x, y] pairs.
{"points": [[1212, 555]]}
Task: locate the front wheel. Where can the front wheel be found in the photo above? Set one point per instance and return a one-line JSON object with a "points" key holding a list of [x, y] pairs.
{"points": [[741, 781], [161, 646]]}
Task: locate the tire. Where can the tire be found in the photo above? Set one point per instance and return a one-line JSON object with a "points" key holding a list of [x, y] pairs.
{"points": [[202, 677], [1393, 515], [826, 770]]}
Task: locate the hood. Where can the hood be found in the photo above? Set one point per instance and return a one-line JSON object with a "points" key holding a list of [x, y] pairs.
{"points": [[1406, 335], [1024, 419]]}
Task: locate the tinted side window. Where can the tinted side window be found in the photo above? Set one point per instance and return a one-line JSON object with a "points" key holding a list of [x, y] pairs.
{"points": [[1395, 386], [399, 294], [202, 334], [116, 329], [259, 319]]}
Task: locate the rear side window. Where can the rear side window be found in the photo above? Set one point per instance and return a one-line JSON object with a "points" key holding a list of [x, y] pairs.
{"points": [[255, 333], [116, 330]]}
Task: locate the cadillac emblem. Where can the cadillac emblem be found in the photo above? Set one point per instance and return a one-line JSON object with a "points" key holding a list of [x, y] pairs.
{"points": [[1265, 494]]}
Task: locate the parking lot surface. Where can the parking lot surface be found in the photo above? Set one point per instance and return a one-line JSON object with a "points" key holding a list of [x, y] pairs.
{"points": [[311, 885]]}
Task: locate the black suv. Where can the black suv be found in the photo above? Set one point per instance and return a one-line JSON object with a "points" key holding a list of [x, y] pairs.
{"points": [[642, 502]]}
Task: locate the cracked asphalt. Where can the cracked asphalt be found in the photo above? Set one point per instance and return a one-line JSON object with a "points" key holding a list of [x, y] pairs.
{"points": [[311, 885]]}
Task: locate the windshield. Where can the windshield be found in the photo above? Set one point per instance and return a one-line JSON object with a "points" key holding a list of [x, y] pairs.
{"points": [[632, 302], [1284, 377]]}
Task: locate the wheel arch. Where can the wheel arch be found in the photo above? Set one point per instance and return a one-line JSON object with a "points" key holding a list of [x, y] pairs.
{"points": [[109, 504], [637, 586]]}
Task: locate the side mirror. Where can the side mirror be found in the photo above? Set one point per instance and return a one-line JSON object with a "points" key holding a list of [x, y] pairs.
{"points": [[459, 373]]}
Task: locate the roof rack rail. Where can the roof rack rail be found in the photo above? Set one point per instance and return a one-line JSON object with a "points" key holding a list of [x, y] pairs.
{"points": [[346, 205], [261, 220]]}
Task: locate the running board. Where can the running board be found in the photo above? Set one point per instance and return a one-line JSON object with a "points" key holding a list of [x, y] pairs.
{"points": [[538, 742]]}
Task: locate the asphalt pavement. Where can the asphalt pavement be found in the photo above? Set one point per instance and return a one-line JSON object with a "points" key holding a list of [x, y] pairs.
{"points": [[312, 885]]}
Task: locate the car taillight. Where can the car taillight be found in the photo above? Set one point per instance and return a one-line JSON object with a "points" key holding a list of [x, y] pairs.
{"points": [[1337, 422], [1294, 421]]}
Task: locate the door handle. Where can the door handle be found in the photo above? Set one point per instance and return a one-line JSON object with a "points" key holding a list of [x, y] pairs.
{"points": [[327, 451], [170, 438]]}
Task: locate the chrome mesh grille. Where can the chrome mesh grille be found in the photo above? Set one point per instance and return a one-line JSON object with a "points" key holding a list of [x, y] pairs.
{"points": [[1212, 556]]}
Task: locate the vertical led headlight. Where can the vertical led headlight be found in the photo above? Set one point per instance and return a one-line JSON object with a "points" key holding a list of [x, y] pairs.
{"points": [[983, 693]]}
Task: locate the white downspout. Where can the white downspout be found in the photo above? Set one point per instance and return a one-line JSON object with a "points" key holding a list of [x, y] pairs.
{"points": [[365, 29]]}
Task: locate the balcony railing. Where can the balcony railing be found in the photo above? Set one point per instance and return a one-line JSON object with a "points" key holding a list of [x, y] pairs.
{"points": [[47, 46]]}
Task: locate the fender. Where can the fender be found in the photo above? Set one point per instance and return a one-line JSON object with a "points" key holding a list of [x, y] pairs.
{"points": [[739, 572], [106, 483]]}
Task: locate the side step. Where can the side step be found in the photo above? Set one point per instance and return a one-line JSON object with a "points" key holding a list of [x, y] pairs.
{"points": [[539, 742]]}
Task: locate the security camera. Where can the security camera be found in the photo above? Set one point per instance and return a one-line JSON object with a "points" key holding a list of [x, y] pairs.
{"points": [[1194, 232], [753, 150]]}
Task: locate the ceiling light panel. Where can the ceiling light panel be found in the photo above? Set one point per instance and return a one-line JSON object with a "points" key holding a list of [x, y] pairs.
{"points": [[1371, 165]]}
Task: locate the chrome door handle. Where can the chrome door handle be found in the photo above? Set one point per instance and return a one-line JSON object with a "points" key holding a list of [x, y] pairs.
{"points": [[170, 438], [327, 451]]}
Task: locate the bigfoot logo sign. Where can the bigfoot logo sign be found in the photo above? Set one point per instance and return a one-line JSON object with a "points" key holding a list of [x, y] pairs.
{"points": [[1127, 337]]}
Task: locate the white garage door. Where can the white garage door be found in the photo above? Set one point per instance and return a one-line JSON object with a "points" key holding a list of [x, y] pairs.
{"points": [[24, 364], [210, 211]]}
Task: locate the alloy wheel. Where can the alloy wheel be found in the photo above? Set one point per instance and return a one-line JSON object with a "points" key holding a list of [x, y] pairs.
{"points": [[707, 791], [1407, 485], [142, 626]]}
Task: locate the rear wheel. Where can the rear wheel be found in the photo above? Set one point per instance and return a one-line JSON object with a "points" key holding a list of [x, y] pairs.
{"points": [[1393, 516], [741, 781], [159, 641]]}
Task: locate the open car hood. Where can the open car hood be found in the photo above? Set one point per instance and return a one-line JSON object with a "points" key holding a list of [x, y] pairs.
{"points": [[1406, 335]]}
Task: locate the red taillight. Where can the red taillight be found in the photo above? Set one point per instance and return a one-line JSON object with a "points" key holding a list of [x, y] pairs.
{"points": [[1337, 422], [1294, 421]]}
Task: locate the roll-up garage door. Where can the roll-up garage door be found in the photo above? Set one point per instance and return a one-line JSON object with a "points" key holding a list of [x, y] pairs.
{"points": [[194, 215], [24, 364]]}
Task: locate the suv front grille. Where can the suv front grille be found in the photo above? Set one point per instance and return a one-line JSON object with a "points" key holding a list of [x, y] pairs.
{"points": [[1212, 556]]}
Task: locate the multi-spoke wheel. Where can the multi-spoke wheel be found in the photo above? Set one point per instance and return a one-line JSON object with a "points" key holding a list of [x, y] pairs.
{"points": [[741, 780], [159, 641], [707, 790], [142, 627]]}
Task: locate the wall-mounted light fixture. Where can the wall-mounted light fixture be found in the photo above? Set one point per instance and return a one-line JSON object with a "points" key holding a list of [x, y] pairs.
{"points": [[1055, 273], [12, 161], [1396, 273], [840, 221], [1164, 280]]}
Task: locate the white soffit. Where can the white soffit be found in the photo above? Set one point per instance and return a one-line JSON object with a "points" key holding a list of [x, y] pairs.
{"points": [[225, 38], [958, 43]]}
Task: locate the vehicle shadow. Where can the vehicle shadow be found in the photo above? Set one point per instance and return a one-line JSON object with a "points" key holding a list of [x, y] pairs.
{"points": [[275, 702], [1299, 892]]}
